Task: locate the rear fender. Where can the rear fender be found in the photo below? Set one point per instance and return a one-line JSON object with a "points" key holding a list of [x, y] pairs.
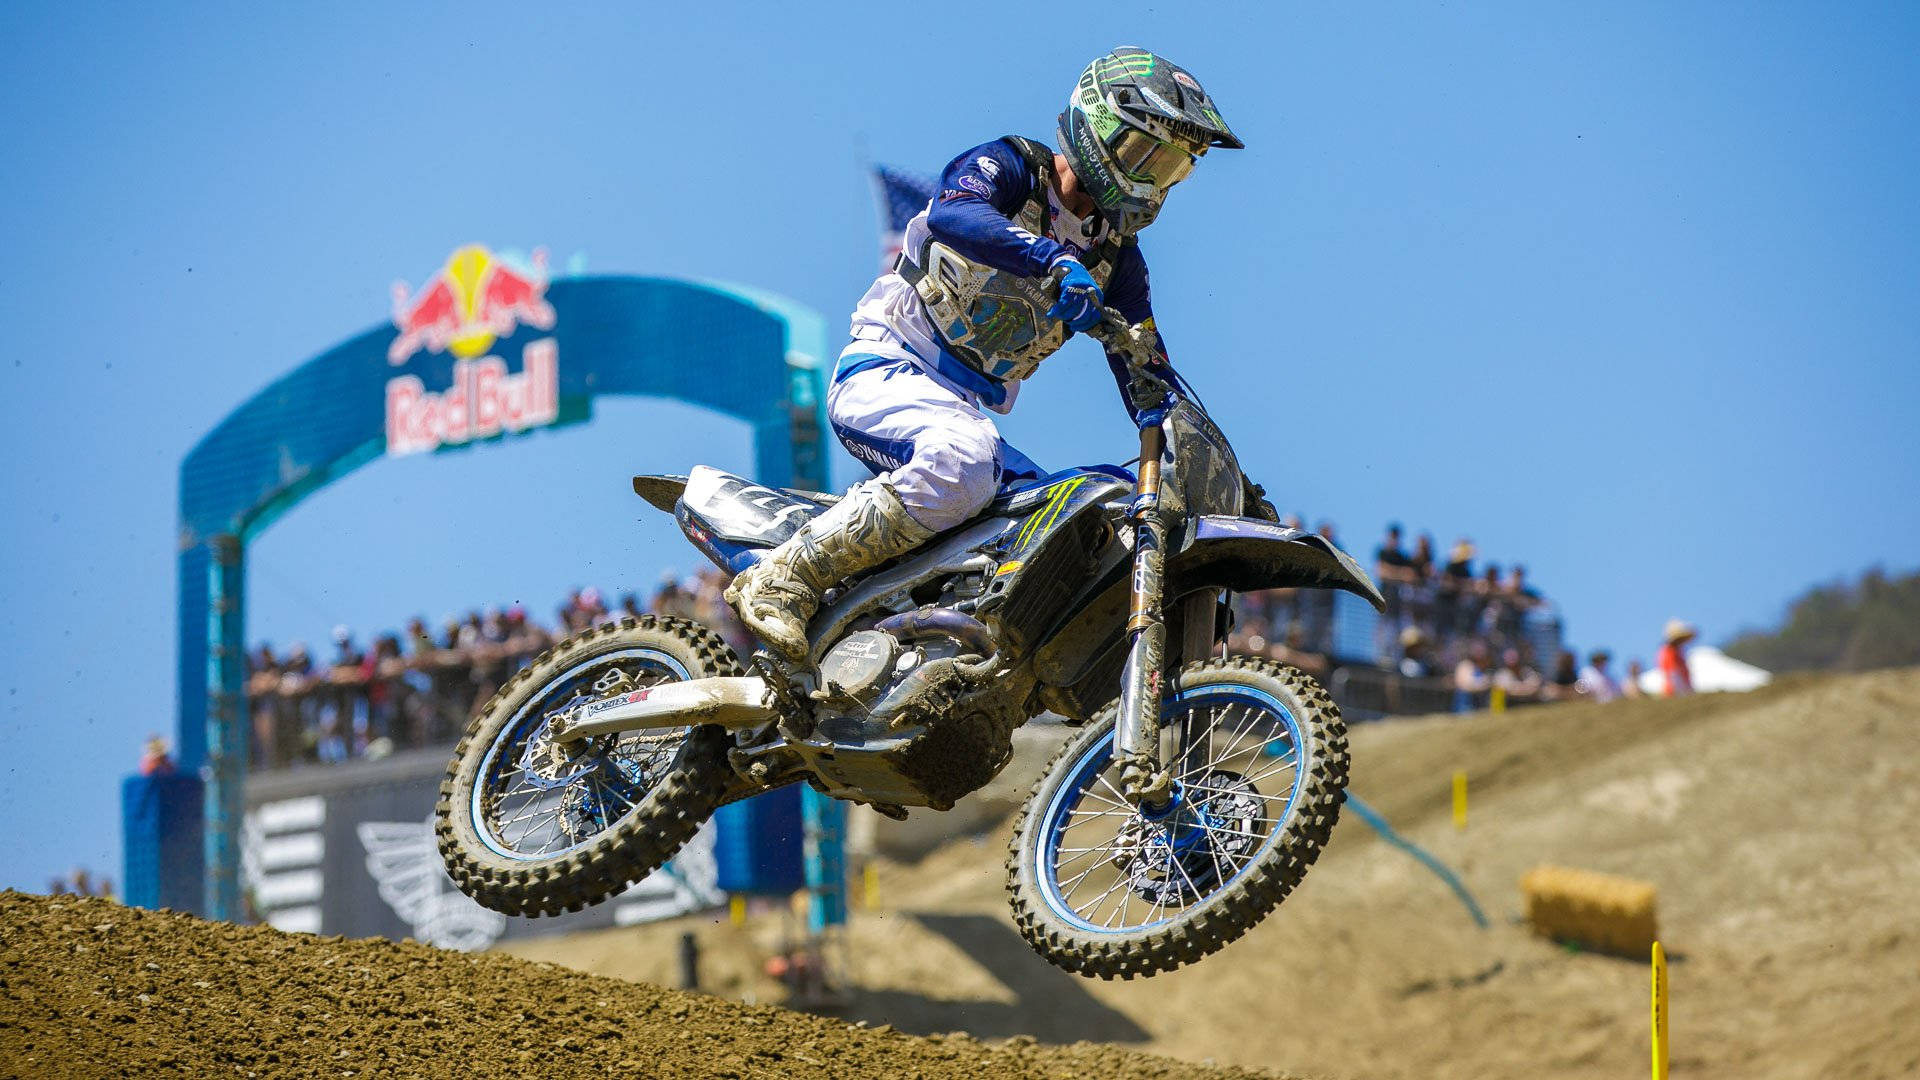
{"points": [[735, 533], [664, 491], [1248, 554]]}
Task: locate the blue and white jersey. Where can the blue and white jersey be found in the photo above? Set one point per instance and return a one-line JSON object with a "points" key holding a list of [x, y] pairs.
{"points": [[979, 194]]}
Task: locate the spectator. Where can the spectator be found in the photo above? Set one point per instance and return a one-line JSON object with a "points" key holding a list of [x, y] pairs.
{"points": [[1488, 606], [1596, 681], [1526, 595], [1390, 560], [525, 639], [1415, 662], [1517, 598], [1517, 677], [1673, 658], [274, 741], [81, 884], [299, 711], [1299, 652], [1393, 569], [383, 674], [593, 608], [485, 640], [1471, 680], [1564, 683], [1452, 615], [155, 758], [673, 598], [1632, 688], [343, 708], [1421, 570], [419, 641]]}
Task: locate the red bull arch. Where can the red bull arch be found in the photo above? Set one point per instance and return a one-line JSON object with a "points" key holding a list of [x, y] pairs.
{"points": [[487, 348]]}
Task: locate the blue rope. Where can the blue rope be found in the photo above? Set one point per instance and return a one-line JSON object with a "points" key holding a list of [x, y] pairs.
{"points": [[1372, 817]]}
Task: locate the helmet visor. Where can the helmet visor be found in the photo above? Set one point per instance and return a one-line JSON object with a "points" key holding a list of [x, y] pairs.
{"points": [[1147, 159]]}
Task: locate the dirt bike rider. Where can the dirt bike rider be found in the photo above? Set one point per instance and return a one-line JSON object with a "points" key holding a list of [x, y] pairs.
{"points": [[965, 315]]}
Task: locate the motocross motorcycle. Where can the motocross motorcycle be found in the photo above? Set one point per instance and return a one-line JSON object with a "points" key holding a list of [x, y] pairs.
{"points": [[1193, 796]]}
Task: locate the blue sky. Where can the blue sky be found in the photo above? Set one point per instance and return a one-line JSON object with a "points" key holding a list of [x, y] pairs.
{"points": [[1629, 292]]}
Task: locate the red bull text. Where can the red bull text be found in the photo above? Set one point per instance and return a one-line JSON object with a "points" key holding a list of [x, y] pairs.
{"points": [[471, 302], [485, 400]]}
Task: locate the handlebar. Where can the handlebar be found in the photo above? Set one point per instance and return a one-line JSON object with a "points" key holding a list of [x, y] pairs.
{"points": [[1150, 389], [1133, 343]]}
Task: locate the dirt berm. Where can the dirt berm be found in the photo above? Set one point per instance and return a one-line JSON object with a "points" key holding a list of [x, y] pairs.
{"points": [[92, 989], [1781, 827]]}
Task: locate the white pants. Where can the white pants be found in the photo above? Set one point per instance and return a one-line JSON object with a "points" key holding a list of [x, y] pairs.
{"points": [[941, 454]]}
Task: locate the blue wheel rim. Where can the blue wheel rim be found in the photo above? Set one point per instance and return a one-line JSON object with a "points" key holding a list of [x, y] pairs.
{"points": [[1067, 865], [596, 794]]}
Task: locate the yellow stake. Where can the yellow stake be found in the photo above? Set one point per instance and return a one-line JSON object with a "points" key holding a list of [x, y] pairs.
{"points": [[1659, 1013], [1497, 700], [1460, 799], [871, 894], [737, 910]]}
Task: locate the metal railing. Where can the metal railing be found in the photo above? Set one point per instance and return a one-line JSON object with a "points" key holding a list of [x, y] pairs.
{"points": [[1369, 693]]}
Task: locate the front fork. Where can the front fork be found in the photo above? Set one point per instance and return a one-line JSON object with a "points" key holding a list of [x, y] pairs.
{"points": [[1137, 737]]}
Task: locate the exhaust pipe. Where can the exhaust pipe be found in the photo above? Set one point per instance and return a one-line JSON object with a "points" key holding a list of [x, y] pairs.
{"points": [[729, 701]]}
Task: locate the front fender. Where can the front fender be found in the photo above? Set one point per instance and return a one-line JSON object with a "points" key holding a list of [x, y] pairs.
{"points": [[1247, 554]]}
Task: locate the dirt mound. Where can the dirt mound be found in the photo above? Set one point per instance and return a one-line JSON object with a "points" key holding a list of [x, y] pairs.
{"points": [[90, 988], [1778, 826]]}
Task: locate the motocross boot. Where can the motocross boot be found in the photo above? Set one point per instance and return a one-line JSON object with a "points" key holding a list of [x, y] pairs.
{"points": [[777, 596]]}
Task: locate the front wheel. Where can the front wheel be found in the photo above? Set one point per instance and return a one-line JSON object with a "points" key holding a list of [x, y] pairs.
{"points": [[531, 826], [1102, 888]]}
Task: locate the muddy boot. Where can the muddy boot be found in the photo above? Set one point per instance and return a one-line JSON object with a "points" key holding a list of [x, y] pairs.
{"points": [[777, 596]]}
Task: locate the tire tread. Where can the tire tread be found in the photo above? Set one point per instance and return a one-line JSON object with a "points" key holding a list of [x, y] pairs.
{"points": [[1204, 930], [663, 821]]}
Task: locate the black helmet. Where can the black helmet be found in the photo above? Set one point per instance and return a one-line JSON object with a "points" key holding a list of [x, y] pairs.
{"points": [[1133, 128]]}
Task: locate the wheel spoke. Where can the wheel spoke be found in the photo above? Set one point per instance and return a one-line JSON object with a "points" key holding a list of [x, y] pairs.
{"points": [[531, 817], [1128, 876], [1117, 882]]}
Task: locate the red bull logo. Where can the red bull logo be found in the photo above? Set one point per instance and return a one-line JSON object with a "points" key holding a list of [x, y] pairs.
{"points": [[473, 301]]}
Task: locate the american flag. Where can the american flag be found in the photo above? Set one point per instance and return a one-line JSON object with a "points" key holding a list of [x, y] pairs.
{"points": [[902, 194]]}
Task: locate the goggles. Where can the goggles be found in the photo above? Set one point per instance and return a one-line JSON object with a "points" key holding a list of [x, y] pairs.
{"points": [[1145, 158]]}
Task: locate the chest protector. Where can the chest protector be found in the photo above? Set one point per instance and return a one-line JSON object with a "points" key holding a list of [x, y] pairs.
{"points": [[994, 321]]}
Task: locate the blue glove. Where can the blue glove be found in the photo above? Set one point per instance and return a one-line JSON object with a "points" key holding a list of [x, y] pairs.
{"points": [[1080, 297]]}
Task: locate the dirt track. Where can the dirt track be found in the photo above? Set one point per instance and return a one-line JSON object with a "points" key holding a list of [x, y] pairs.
{"points": [[89, 988], [1779, 827]]}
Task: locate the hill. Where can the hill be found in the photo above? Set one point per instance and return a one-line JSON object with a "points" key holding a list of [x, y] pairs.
{"points": [[1874, 623]]}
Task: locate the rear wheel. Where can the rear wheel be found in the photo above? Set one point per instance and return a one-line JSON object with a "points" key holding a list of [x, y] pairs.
{"points": [[531, 826], [1101, 888]]}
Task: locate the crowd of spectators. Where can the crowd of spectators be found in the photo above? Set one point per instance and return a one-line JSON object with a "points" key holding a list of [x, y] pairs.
{"points": [[418, 687], [81, 882], [1450, 628], [1451, 624]]}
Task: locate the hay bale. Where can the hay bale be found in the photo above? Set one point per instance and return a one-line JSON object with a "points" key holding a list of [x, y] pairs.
{"points": [[1600, 912]]}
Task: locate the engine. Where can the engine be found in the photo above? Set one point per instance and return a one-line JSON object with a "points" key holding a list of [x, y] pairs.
{"points": [[914, 711]]}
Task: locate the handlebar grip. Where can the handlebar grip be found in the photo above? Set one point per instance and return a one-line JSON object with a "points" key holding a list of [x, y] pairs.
{"points": [[1111, 328], [1144, 362]]}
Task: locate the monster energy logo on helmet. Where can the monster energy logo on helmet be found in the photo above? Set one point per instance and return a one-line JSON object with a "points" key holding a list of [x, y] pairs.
{"points": [[1133, 128]]}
